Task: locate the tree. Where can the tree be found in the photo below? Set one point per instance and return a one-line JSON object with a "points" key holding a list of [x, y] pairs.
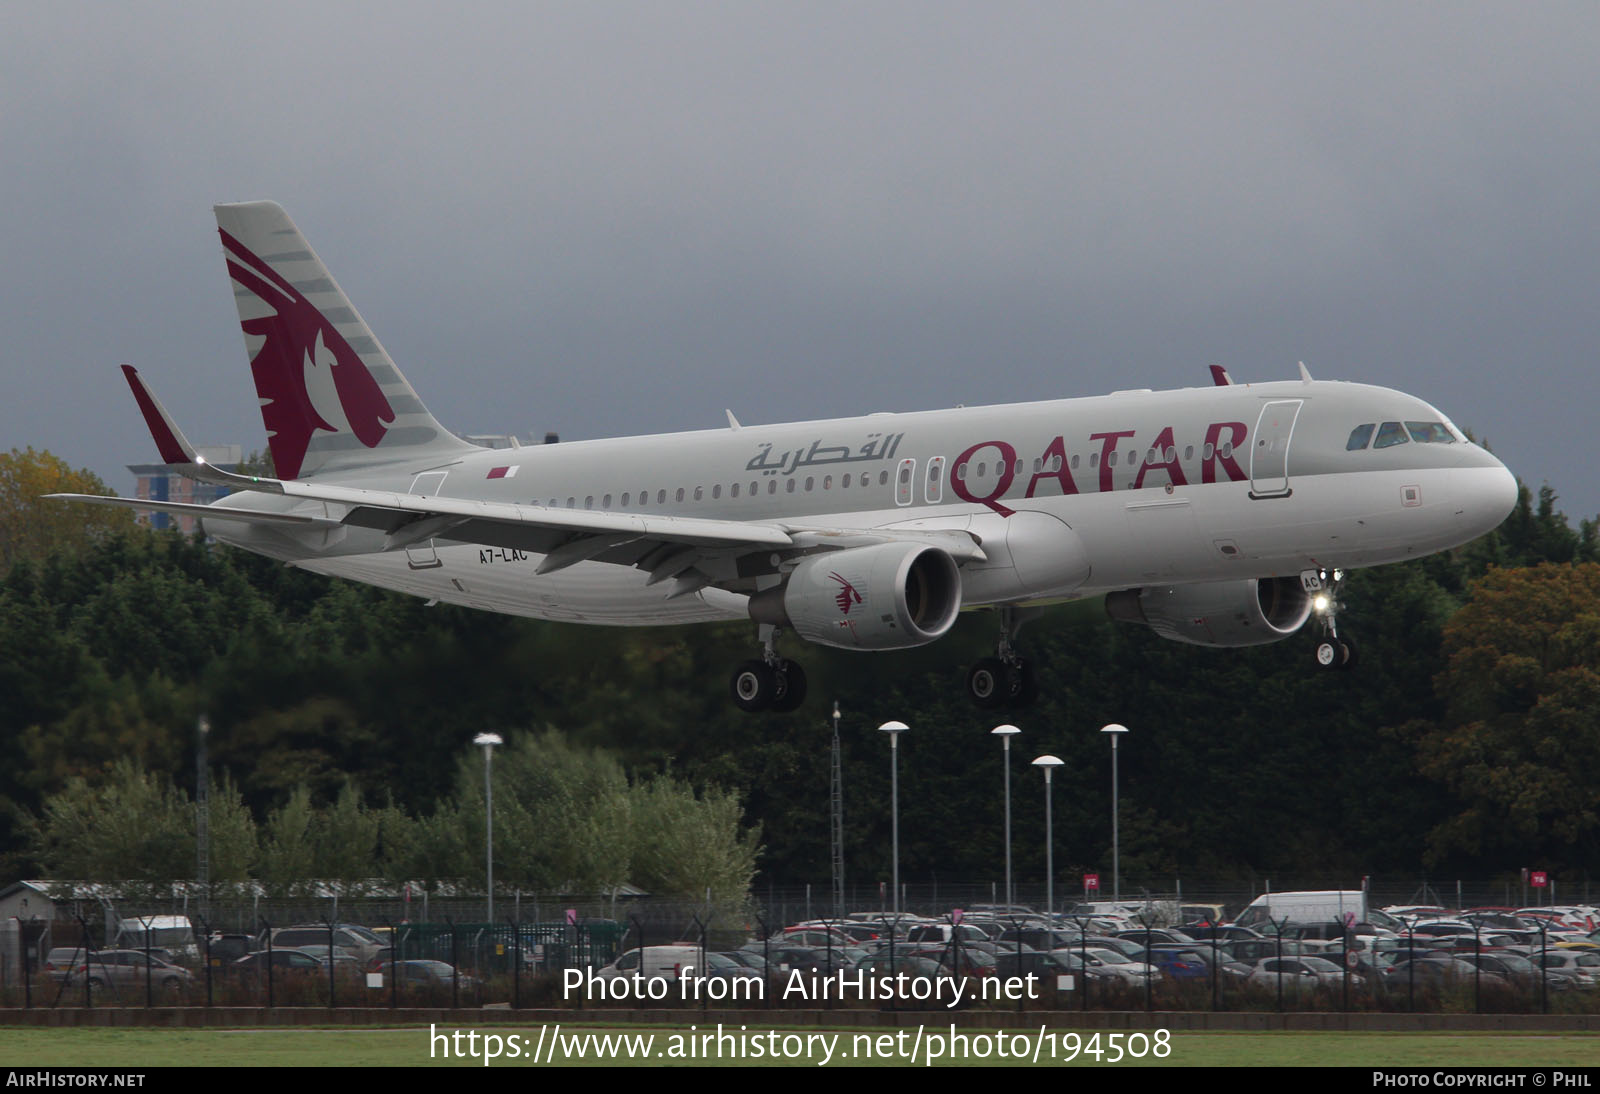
{"points": [[31, 526], [132, 827], [1519, 746], [692, 846]]}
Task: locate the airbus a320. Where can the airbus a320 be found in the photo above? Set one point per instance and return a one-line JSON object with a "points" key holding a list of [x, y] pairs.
{"points": [[1222, 516]]}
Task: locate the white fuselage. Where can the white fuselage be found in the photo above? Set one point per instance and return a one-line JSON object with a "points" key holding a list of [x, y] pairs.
{"points": [[1067, 498]]}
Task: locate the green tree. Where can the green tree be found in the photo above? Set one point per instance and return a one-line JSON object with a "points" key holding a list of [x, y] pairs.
{"points": [[693, 847], [132, 827], [288, 849], [1519, 745], [31, 526]]}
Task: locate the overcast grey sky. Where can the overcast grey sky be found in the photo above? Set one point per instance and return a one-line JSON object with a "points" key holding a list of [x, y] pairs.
{"points": [[608, 218]]}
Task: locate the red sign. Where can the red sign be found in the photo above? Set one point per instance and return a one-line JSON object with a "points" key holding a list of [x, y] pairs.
{"points": [[1091, 881], [1538, 879]]}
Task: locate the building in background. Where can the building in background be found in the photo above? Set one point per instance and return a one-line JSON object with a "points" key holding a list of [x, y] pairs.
{"points": [[158, 482]]}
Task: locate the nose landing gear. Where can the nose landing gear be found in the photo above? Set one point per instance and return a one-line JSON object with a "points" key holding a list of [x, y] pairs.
{"points": [[1332, 651]]}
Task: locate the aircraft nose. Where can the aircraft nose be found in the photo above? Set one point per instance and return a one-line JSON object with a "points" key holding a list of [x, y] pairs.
{"points": [[1487, 494]]}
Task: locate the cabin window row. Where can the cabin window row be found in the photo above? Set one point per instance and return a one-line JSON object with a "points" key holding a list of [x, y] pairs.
{"points": [[642, 500]]}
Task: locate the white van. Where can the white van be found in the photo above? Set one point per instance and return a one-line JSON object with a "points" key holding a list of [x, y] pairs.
{"points": [[655, 962], [1307, 906], [173, 933]]}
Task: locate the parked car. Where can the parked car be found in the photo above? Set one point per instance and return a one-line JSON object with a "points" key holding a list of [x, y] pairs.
{"points": [[1156, 936], [122, 970], [1180, 962], [352, 938], [1582, 965], [422, 974], [1435, 970], [288, 966], [1297, 974]]}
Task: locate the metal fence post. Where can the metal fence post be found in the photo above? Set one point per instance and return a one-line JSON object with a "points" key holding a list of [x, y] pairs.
{"points": [[268, 928], [333, 997], [88, 964], [455, 967], [516, 964]]}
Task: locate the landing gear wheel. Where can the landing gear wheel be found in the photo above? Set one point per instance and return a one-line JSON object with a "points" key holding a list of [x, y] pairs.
{"points": [[754, 686], [987, 684], [791, 681], [1347, 650], [1022, 687], [1330, 653]]}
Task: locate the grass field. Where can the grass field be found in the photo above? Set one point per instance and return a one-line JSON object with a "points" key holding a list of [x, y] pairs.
{"points": [[699, 1046]]}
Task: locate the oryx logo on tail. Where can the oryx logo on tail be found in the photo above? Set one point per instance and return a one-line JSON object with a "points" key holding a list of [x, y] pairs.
{"points": [[306, 373]]}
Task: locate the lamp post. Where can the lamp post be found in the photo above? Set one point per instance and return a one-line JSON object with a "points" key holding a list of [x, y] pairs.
{"points": [[1048, 764], [488, 741], [894, 729], [1005, 733], [1115, 732]]}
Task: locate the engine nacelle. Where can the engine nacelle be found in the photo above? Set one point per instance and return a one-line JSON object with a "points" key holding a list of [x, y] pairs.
{"points": [[888, 596], [1251, 612]]}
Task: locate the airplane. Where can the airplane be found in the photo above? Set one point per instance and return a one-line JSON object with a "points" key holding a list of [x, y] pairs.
{"points": [[1222, 516]]}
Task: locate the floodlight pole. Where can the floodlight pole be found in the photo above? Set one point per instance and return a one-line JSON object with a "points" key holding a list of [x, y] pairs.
{"points": [[894, 729], [1115, 731], [1005, 733], [488, 742], [1048, 764]]}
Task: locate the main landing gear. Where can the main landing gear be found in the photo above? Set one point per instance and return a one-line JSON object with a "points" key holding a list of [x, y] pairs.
{"points": [[1332, 651], [771, 683], [1007, 679]]}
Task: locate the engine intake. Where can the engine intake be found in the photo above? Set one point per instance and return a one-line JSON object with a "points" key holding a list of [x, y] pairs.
{"points": [[1249, 612], [888, 596]]}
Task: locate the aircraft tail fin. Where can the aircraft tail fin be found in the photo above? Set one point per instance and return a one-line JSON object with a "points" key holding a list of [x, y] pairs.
{"points": [[331, 398]]}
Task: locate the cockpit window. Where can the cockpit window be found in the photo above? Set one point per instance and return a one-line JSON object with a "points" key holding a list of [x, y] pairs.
{"points": [[1389, 435], [1430, 433], [1359, 436]]}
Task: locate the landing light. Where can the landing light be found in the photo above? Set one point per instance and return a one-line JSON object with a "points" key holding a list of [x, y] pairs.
{"points": [[1320, 603]]}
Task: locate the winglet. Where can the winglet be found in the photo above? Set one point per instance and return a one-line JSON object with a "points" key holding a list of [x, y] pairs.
{"points": [[175, 449], [1305, 373], [733, 423], [1220, 377], [170, 441]]}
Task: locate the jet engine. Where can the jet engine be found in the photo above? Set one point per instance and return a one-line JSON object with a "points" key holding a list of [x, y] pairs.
{"points": [[888, 596], [1250, 612]]}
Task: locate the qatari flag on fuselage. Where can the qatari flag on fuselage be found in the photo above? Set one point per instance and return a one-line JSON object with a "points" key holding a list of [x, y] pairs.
{"points": [[502, 472]]}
